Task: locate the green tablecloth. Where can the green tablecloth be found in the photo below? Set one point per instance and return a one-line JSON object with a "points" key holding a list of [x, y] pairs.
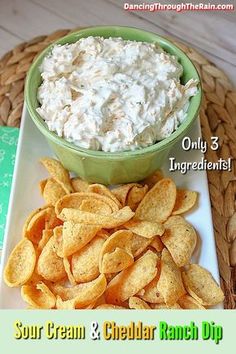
{"points": [[8, 144]]}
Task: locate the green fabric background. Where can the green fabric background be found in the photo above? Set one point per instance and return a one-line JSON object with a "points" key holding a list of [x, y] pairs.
{"points": [[8, 144]]}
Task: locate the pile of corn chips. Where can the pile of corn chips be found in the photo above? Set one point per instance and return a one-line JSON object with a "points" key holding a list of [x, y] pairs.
{"points": [[125, 248]]}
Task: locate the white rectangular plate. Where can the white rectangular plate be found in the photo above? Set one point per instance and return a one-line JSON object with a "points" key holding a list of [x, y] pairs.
{"points": [[25, 197]]}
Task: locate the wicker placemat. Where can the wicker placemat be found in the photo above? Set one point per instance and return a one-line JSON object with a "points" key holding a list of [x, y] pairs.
{"points": [[218, 118]]}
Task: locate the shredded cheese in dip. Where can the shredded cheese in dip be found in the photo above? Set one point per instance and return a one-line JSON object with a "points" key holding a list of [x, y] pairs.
{"points": [[112, 94]]}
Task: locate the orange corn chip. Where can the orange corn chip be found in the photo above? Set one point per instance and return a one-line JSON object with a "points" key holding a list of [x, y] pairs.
{"points": [[138, 304], [20, 264], [189, 303], [185, 200], [83, 294], [115, 219], [145, 228], [70, 276], [74, 201], [170, 284], [46, 235], [150, 293], [135, 195], [200, 284], [53, 191], [79, 185], [85, 261], [131, 280], [38, 296], [115, 254], [121, 239], [121, 192], [101, 189], [174, 220], [116, 261], [158, 203], [58, 172], [139, 244], [95, 206], [76, 235], [157, 244], [50, 266], [36, 223], [180, 240]]}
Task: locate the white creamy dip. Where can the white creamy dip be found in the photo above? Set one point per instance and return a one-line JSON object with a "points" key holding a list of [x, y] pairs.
{"points": [[112, 94]]}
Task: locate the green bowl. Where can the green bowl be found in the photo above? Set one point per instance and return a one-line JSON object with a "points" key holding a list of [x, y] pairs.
{"points": [[120, 167]]}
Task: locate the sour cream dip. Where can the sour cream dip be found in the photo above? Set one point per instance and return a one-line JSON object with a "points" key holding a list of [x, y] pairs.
{"points": [[112, 94]]}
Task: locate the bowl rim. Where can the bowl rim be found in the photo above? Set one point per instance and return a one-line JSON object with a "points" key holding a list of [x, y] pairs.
{"points": [[160, 145]]}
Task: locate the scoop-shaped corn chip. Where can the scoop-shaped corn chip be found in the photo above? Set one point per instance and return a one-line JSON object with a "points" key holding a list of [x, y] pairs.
{"points": [[64, 305], [79, 185], [146, 229], [35, 278], [150, 293], [115, 219], [100, 301], [103, 190], [103, 234], [158, 203], [135, 195], [120, 238], [131, 280], [50, 265], [52, 220], [138, 304], [74, 201], [52, 191], [174, 220], [121, 192], [57, 231], [115, 254], [20, 264], [70, 304], [95, 206], [139, 244], [157, 244], [85, 262], [83, 294], [38, 296], [180, 240], [189, 303], [185, 200], [70, 276], [46, 235], [116, 261], [58, 172], [200, 284], [36, 223], [170, 284], [76, 235]]}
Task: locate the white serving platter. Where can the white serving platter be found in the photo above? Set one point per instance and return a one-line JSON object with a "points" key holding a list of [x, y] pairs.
{"points": [[25, 197]]}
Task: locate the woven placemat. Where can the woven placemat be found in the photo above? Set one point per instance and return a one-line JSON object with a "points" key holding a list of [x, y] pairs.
{"points": [[218, 118]]}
